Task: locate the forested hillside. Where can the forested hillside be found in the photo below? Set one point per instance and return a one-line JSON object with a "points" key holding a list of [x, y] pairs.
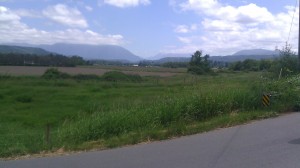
{"points": [[39, 60]]}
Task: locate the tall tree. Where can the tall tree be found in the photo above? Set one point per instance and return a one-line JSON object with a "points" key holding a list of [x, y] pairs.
{"points": [[199, 64]]}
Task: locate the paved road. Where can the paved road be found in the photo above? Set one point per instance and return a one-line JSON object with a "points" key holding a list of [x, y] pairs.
{"points": [[272, 143]]}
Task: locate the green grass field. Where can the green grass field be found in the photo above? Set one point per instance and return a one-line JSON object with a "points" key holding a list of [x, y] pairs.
{"points": [[85, 114]]}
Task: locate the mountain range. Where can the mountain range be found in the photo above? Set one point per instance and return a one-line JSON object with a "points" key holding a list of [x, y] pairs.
{"points": [[117, 53], [256, 54], [93, 52], [23, 50], [170, 55], [88, 52]]}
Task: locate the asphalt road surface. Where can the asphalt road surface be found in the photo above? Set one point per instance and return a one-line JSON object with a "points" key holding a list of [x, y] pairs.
{"points": [[271, 143]]}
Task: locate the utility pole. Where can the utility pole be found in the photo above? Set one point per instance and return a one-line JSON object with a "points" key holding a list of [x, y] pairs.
{"points": [[299, 38]]}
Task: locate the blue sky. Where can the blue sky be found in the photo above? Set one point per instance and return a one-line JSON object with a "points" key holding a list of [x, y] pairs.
{"points": [[149, 27]]}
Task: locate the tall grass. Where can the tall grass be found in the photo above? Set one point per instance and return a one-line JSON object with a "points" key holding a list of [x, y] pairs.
{"points": [[173, 115], [188, 107], [87, 111]]}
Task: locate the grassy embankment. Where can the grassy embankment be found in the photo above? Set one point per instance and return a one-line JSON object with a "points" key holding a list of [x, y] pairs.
{"points": [[96, 113]]}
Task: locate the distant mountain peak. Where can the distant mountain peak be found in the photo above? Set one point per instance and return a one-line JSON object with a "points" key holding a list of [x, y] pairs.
{"points": [[169, 55], [86, 51], [95, 52], [256, 52]]}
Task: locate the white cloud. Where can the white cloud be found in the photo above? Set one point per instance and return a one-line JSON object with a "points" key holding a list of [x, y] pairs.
{"points": [[181, 29], [88, 8], [12, 30], [185, 28], [244, 14], [227, 29], [220, 25], [252, 14], [65, 15], [184, 40], [125, 3], [6, 16], [206, 6], [27, 13]]}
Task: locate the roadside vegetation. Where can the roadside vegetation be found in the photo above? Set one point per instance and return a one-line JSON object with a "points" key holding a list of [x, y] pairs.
{"points": [[59, 111], [284, 66], [89, 111]]}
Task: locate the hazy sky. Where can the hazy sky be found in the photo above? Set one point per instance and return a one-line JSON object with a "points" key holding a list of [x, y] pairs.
{"points": [[149, 27]]}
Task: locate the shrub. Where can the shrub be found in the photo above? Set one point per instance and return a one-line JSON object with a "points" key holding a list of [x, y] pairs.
{"points": [[86, 77], [54, 73], [284, 93], [115, 76], [287, 64]]}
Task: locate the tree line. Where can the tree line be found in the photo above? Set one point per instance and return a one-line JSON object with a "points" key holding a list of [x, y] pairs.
{"points": [[213, 64], [285, 65], [58, 60]]}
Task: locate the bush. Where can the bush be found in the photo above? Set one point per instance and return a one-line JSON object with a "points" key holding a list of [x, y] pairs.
{"points": [[54, 73], [115, 76], [86, 77], [285, 93], [196, 70], [287, 64], [175, 64]]}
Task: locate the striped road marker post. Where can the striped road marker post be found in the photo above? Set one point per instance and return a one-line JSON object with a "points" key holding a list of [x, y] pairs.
{"points": [[266, 100]]}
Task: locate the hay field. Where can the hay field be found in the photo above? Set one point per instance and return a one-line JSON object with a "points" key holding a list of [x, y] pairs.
{"points": [[97, 70]]}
